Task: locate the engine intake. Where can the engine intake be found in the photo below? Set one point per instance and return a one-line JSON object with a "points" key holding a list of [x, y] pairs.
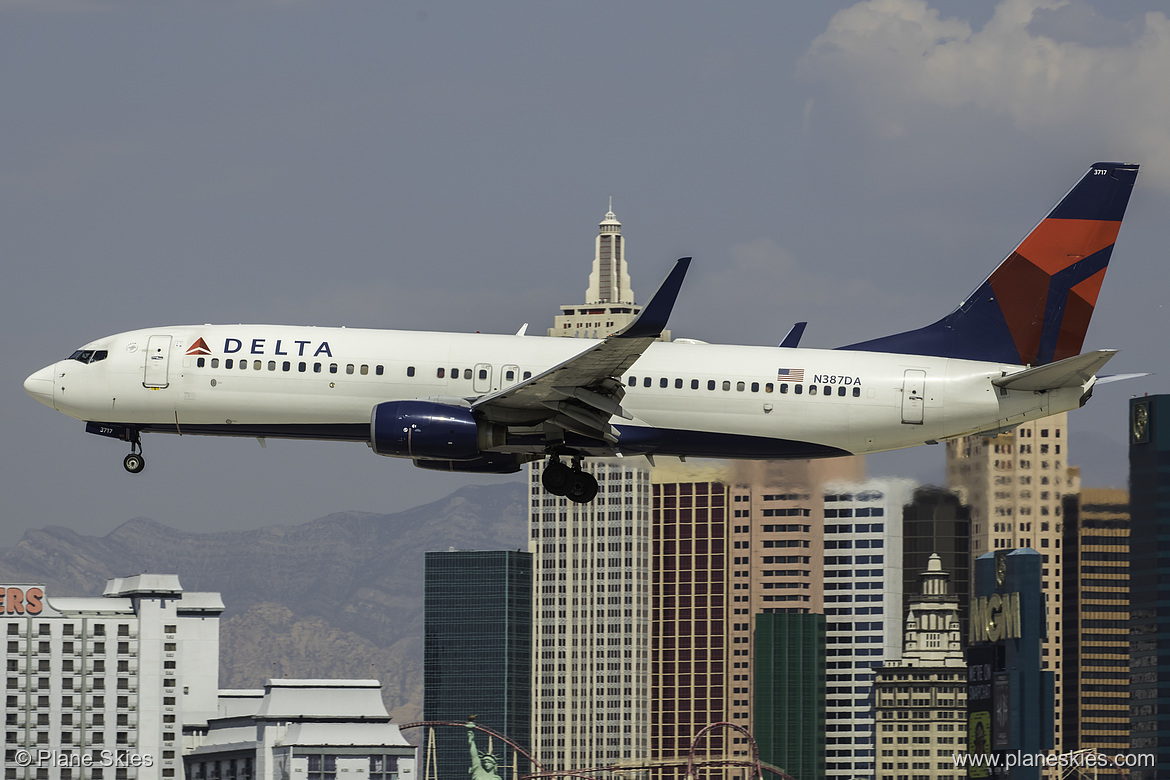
{"points": [[431, 431]]}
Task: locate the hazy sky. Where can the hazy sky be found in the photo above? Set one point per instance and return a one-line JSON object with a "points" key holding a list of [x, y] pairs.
{"points": [[434, 165]]}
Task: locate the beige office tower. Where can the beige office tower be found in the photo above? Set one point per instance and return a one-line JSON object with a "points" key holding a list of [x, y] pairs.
{"points": [[591, 573], [1096, 632], [591, 619], [920, 702], [609, 300], [1015, 484]]}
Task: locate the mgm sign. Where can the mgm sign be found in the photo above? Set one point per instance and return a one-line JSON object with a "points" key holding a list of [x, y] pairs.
{"points": [[1009, 699]]}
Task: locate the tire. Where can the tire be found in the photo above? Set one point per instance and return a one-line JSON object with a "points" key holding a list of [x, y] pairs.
{"points": [[557, 478], [134, 463], [584, 488]]}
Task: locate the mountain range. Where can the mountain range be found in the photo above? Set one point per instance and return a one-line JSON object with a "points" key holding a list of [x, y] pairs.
{"points": [[340, 596]]}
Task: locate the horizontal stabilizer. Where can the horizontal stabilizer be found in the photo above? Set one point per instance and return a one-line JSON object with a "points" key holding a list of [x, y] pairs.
{"points": [[1106, 380], [1070, 372]]}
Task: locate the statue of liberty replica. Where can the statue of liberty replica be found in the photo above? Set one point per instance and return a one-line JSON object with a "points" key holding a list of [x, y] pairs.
{"points": [[484, 766]]}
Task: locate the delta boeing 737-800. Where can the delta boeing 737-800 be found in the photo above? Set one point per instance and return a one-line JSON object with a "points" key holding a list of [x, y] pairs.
{"points": [[1011, 352]]}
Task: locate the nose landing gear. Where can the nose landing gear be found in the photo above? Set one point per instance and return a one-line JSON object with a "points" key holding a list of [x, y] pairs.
{"points": [[574, 484], [134, 462]]}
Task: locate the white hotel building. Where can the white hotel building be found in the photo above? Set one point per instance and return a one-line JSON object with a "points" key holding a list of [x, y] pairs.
{"points": [[101, 687]]}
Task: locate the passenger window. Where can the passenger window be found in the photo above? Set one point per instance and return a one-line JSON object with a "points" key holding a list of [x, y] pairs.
{"points": [[678, 383], [768, 388], [199, 362], [647, 382], [215, 362], [410, 370], [349, 368], [271, 365], [228, 363], [726, 385], [755, 387], [632, 381], [286, 366], [365, 369], [333, 368], [812, 389], [483, 373], [527, 374], [467, 373], [243, 364], [256, 365], [798, 389], [378, 370], [663, 382], [826, 390], [694, 384], [442, 372], [316, 368], [710, 384], [509, 375], [302, 366], [857, 392], [740, 386], [841, 391], [783, 388]]}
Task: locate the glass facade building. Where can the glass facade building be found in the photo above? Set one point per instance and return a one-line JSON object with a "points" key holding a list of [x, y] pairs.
{"points": [[790, 692], [1149, 579], [478, 654]]}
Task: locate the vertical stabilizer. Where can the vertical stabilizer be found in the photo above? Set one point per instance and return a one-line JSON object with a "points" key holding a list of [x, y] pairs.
{"points": [[1035, 307]]}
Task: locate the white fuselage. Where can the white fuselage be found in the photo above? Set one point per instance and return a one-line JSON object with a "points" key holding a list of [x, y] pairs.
{"points": [[685, 398]]}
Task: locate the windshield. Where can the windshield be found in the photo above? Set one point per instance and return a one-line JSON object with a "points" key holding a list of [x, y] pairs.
{"points": [[89, 355]]}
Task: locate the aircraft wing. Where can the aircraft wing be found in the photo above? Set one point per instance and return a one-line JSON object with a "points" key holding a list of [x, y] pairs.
{"points": [[583, 392]]}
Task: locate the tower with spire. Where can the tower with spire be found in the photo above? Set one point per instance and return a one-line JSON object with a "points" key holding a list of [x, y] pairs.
{"points": [[609, 300]]}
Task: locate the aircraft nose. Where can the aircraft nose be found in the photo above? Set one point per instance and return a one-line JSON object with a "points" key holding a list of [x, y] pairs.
{"points": [[40, 386]]}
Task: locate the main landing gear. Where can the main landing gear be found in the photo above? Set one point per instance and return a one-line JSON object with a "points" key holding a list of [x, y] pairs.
{"points": [[571, 482], [134, 462]]}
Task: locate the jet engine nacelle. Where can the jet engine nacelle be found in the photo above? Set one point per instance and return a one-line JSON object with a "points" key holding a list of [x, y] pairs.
{"points": [[431, 431]]}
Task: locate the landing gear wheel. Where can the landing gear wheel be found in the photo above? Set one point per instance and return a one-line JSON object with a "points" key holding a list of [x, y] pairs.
{"points": [[557, 478], [584, 488], [134, 463]]}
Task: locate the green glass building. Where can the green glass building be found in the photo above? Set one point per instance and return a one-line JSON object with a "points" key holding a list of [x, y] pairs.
{"points": [[789, 697], [478, 655]]}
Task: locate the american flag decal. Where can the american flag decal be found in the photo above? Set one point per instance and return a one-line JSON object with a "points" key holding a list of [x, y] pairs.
{"points": [[790, 374]]}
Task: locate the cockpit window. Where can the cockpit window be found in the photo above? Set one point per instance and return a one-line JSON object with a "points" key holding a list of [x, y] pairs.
{"points": [[89, 355]]}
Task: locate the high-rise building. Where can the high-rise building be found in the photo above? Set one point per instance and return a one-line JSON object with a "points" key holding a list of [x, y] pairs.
{"points": [[691, 651], [1096, 626], [789, 688], [1015, 485], [591, 573], [1149, 582], [863, 612], [609, 300], [129, 672], [920, 701], [478, 650], [935, 522]]}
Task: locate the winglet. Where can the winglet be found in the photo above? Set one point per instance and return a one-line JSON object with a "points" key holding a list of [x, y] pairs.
{"points": [[652, 320], [792, 340]]}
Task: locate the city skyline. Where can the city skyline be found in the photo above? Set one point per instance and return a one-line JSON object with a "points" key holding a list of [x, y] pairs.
{"points": [[423, 174]]}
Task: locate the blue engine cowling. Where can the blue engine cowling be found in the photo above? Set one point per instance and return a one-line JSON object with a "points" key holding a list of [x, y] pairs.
{"points": [[431, 431], [492, 463]]}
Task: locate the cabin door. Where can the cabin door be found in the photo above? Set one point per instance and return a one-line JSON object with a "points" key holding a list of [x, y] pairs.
{"points": [[158, 355], [913, 396]]}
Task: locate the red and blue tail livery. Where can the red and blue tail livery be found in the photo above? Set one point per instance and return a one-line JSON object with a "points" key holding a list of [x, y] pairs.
{"points": [[1035, 307]]}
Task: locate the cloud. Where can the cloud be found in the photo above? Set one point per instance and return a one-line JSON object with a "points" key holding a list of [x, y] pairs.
{"points": [[891, 56]]}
